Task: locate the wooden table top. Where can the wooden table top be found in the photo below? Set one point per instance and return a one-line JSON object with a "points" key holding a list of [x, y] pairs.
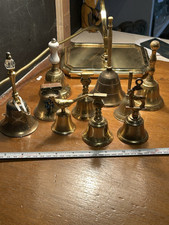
{"points": [[132, 191]]}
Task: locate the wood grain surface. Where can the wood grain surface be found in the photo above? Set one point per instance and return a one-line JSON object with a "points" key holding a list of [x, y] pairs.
{"points": [[115, 191]]}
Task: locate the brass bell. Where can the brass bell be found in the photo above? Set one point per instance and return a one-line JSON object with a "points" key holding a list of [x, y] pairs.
{"points": [[84, 107], [63, 123], [150, 87], [97, 133], [46, 109], [108, 81], [55, 75], [18, 121], [122, 111], [132, 131]]}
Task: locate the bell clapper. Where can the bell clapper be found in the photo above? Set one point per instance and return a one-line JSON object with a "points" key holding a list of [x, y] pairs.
{"points": [[132, 131], [55, 75], [84, 108]]}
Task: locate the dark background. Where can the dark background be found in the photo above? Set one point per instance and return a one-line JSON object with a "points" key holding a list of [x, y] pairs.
{"points": [[26, 27]]}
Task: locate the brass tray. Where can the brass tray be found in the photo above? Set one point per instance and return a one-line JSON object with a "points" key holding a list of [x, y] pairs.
{"points": [[79, 57]]}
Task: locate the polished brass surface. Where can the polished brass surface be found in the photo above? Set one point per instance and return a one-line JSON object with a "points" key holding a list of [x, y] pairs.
{"points": [[79, 57], [153, 100], [97, 133], [84, 108], [108, 81], [18, 121], [122, 111], [55, 75], [46, 109], [63, 123], [132, 131]]}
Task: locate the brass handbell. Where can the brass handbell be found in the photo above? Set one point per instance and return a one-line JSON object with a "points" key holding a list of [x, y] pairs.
{"points": [[63, 123], [122, 111], [108, 81], [153, 100], [55, 75], [84, 107], [18, 121], [46, 109], [132, 131], [97, 133]]}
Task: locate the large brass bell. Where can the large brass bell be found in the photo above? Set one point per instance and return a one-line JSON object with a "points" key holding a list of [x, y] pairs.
{"points": [[18, 121], [153, 100], [132, 131], [108, 81], [63, 123], [122, 111], [46, 109], [84, 107], [97, 133], [55, 75]]}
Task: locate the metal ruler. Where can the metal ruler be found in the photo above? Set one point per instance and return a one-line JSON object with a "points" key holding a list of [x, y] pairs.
{"points": [[83, 154]]}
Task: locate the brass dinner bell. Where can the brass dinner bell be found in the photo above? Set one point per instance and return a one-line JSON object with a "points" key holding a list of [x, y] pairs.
{"points": [[132, 131], [97, 133], [63, 123], [122, 111], [55, 75], [108, 81], [150, 87], [46, 109], [18, 121], [84, 107]]}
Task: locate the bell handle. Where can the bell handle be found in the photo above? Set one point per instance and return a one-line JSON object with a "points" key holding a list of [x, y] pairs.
{"points": [[54, 47]]}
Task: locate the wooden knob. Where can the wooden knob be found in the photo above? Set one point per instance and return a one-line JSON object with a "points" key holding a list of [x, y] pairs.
{"points": [[54, 47]]}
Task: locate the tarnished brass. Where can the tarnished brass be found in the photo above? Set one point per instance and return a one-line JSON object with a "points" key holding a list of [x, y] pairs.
{"points": [[55, 75], [84, 108], [153, 100], [63, 123], [18, 121], [108, 81], [132, 131], [46, 109], [97, 133], [122, 111]]}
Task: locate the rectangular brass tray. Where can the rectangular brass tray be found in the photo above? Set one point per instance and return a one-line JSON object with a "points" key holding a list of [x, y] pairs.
{"points": [[80, 57]]}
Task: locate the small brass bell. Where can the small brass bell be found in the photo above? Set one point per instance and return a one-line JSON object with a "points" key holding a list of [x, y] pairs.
{"points": [[46, 109], [150, 87], [122, 111], [18, 121], [132, 131], [97, 133], [108, 81], [55, 75], [63, 123], [84, 107]]}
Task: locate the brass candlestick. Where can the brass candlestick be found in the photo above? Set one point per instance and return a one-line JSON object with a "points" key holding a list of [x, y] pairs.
{"points": [[108, 81], [84, 107], [55, 75], [153, 100], [97, 133], [132, 131], [18, 121]]}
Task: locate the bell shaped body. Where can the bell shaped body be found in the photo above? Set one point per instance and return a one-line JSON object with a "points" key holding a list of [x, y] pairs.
{"points": [[121, 112], [132, 131], [17, 123], [153, 100], [84, 109], [63, 124], [97, 133], [108, 82]]}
